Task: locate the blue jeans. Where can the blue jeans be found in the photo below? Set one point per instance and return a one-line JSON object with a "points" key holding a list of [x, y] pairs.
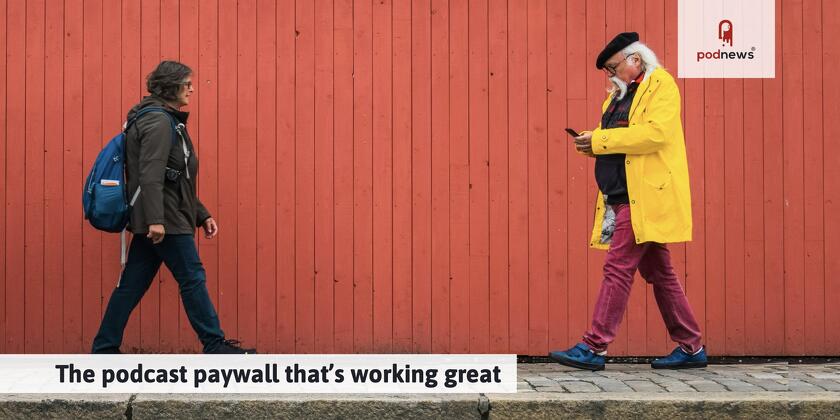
{"points": [[180, 255]]}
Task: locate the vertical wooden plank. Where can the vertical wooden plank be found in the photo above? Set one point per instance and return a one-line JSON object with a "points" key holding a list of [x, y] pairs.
{"points": [[558, 192], [518, 172], [538, 309], [304, 171], [149, 59], [734, 214], [478, 178], [595, 82], [112, 120], [266, 177], [636, 317], [131, 93], [172, 316], [421, 176], [831, 172], [498, 179], [459, 176], [73, 177], [578, 221], [228, 214], [189, 53], [715, 217], [440, 177], [246, 174], [401, 79], [34, 191], [362, 177], [695, 263], [285, 208], [774, 282], [793, 170], [813, 182], [15, 164], [324, 158], [3, 183], [615, 21], [655, 27], [754, 224], [206, 82], [92, 144], [343, 178], [669, 61]]}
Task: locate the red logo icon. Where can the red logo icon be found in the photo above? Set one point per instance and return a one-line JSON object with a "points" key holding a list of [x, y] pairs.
{"points": [[725, 31]]}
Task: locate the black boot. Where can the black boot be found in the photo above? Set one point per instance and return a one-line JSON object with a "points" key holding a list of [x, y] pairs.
{"points": [[231, 347]]}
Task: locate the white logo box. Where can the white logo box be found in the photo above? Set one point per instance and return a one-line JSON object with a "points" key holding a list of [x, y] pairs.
{"points": [[704, 43]]}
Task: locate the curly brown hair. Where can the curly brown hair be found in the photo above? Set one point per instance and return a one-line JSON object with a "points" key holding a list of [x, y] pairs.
{"points": [[167, 78]]}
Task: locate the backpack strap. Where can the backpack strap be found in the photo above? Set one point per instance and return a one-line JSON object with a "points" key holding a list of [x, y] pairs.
{"points": [[148, 110]]}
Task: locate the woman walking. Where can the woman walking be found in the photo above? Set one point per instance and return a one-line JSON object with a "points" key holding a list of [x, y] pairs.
{"points": [[161, 171]]}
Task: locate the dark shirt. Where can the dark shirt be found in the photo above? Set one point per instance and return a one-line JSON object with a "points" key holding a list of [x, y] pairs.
{"points": [[610, 173]]}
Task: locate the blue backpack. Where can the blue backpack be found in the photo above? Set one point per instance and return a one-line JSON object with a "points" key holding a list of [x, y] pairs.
{"points": [[104, 199]]}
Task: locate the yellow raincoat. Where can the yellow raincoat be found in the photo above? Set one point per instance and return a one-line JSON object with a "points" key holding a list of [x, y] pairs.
{"points": [[656, 164]]}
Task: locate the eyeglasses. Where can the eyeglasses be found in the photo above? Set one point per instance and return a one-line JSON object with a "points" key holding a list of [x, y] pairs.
{"points": [[612, 70], [188, 84]]}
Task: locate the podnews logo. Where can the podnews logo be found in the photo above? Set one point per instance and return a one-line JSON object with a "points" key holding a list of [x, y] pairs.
{"points": [[725, 31]]}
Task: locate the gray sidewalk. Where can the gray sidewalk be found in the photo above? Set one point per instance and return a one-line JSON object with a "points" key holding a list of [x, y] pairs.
{"points": [[546, 391]]}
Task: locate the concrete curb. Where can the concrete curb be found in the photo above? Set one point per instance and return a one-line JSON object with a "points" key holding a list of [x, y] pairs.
{"points": [[729, 405], [64, 406], [685, 406]]}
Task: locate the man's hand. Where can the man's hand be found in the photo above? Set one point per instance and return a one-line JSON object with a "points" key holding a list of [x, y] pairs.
{"points": [[583, 144], [211, 229], [156, 233]]}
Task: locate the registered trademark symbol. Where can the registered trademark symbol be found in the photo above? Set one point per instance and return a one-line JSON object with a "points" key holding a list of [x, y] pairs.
{"points": [[753, 48]]}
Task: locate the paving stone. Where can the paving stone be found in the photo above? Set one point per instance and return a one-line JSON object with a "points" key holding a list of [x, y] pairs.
{"points": [[677, 387], [762, 375], [802, 386], [706, 386], [820, 375], [617, 375], [563, 378], [769, 385], [826, 384], [579, 386], [611, 385], [738, 386], [539, 381], [644, 386], [551, 389]]}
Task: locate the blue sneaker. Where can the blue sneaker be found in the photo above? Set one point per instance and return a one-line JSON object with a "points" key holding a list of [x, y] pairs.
{"points": [[580, 356], [680, 359]]}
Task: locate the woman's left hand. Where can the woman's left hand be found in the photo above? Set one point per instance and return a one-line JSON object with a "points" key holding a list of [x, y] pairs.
{"points": [[211, 229]]}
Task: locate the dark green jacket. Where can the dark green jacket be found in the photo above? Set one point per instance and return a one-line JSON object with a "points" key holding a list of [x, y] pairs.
{"points": [[150, 149]]}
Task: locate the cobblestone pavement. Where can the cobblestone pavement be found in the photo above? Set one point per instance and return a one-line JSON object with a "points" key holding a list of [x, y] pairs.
{"points": [[752, 378]]}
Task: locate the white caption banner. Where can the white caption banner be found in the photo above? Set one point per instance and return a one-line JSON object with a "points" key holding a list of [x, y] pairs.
{"points": [[339, 373]]}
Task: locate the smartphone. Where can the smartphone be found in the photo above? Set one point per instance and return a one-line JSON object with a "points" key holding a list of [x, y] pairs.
{"points": [[572, 133]]}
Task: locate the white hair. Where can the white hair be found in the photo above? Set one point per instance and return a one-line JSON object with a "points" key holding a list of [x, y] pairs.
{"points": [[649, 64], [648, 57]]}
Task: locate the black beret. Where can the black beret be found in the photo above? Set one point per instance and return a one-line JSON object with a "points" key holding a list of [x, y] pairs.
{"points": [[620, 42]]}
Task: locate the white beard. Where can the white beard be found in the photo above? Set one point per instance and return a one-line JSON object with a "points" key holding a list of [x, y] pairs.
{"points": [[620, 87]]}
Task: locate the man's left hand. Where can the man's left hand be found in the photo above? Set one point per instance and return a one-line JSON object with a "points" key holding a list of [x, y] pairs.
{"points": [[211, 229], [583, 144]]}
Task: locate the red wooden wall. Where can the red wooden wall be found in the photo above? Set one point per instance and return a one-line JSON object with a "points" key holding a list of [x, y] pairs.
{"points": [[393, 175]]}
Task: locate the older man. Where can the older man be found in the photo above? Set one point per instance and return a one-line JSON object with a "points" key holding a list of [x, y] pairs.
{"points": [[644, 202]]}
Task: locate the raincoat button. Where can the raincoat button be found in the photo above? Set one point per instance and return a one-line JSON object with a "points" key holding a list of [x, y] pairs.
{"points": [[632, 201], [628, 162]]}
